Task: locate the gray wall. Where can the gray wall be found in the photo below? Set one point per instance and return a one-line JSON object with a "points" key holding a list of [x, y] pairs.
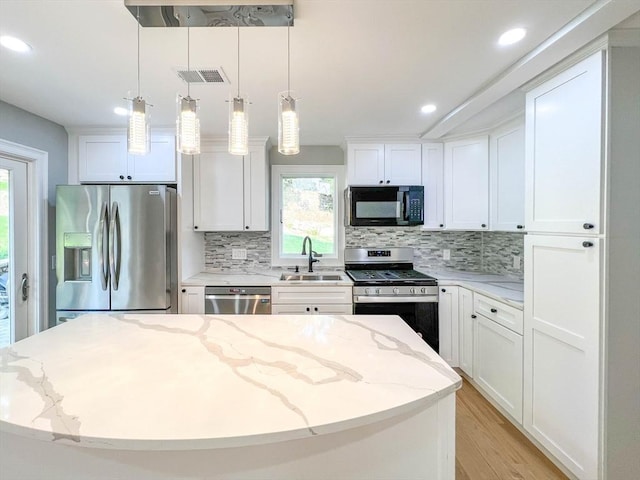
{"points": [[20, 126]]}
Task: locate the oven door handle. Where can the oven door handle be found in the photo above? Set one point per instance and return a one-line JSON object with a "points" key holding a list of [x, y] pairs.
{"points": [[417, 299]]}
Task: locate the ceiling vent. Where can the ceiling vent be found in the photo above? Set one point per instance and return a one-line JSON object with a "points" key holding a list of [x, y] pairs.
{"points": [[213, 75]]}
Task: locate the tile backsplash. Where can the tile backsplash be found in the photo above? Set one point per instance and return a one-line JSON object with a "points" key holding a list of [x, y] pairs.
{"points": [[473, 251]]}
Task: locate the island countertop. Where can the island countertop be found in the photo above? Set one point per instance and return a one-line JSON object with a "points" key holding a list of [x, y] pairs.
{"points": [[183, 382]]}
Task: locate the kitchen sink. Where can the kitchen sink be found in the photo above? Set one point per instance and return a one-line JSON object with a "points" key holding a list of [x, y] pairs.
{"points": [[312, 277]]}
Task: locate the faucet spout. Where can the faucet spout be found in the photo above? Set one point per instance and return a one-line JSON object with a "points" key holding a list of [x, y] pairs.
{"points": [[312, 260]]}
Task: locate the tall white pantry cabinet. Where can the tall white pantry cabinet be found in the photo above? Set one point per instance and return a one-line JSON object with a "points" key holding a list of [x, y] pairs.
{"points": [[582, 262]]}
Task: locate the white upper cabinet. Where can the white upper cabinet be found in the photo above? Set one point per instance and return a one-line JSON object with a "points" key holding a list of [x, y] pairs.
{"points": [[506, 170], [564, 151], [433, 181], [104, 159], [466, 184], [380, 164], [231, 191]]}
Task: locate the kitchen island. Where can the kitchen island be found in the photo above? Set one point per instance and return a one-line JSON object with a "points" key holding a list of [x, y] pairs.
{"points": [[215, 396]]}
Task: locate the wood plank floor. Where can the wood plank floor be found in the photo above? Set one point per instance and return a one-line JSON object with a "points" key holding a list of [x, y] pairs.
{"points": [[489, 447]]}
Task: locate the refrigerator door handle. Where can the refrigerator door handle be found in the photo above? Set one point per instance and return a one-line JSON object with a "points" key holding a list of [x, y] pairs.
{"points": [[113, 225], [102, 237]]}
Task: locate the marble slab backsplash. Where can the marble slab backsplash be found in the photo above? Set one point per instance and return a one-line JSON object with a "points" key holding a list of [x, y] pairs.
{"points": [[472, 251]]}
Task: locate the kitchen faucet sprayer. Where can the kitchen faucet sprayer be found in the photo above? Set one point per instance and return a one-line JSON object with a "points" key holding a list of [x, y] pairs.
{"points": [[312, 259]]}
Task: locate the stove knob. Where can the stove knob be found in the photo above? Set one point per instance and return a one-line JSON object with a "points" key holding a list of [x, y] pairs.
{"points": [[367, 291], [412, 290], [423, 290], [396, 290], [377, 290]]}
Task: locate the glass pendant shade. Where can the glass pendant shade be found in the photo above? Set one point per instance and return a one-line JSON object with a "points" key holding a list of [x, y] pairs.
{"points": [[138, 138], [238, 126], [288, 125], [188, 126]]}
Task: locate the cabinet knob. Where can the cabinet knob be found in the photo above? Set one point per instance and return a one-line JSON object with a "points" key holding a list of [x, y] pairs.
{"points": [[184, 290], [388, 181], [493, 310], [520, 227], [246, 227], [121, 177], [380, 182], [308, 309], [315, 308], [587, 226], [128, 177], [473, 316], [444, 289], [587, 244], [441, 225], [484, 225], [195, 227]]}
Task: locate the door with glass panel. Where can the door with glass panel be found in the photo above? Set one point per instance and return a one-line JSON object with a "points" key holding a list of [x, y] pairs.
{"points": [[14, 240]]}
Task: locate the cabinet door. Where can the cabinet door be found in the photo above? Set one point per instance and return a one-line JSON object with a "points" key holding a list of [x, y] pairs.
{"points": [[448, 324], [506, 167], [466, 330], [192, 300], [158, 166], [218, 191], [256, 190], [102, 158], [402, 164], [466, 184], [564, 129], [365, 164], [433, 181], [498, 365], [562, 325]]}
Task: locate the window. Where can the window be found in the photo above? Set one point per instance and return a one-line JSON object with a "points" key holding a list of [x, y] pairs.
{"points": [[307, 201]]}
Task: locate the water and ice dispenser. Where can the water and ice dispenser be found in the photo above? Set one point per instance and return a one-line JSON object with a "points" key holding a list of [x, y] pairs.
{"points": [[77, 256]]}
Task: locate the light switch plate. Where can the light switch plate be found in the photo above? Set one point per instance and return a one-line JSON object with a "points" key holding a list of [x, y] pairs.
{"points": [[446, 254], [516, 262], [239, 254]]}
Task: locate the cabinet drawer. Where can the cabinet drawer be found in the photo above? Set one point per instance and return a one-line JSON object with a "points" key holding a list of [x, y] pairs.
{"points": [[298, 309], [311, 295], [499, 312]]}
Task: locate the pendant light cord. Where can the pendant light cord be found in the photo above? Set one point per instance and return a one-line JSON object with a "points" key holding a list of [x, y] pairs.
{"points": [[238, 61], [138, 16], [288, 60], [188, 50]]}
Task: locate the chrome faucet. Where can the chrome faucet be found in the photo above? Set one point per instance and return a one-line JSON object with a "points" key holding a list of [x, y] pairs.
{"points": [[312, 259]]}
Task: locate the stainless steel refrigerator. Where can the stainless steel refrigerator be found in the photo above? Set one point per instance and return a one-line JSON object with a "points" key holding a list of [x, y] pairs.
{"points": [[115, 249]]}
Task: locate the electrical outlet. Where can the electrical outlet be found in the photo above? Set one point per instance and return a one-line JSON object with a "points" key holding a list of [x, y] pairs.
{"points": [[516, 262], [446, 254], [239, 254]]}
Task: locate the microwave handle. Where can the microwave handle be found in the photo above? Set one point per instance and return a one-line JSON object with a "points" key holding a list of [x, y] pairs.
{"points": [[405, 197], [347, 207]]}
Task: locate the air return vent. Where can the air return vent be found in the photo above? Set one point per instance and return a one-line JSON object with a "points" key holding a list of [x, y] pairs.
{"points": [[213, 75]]}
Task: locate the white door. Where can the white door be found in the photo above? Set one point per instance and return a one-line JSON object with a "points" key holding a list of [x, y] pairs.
{"points": [[433, 181], [466, 330], [365, 164], [506, 166], [14, 251], [448, 324], [562, 308], [402, 164]]}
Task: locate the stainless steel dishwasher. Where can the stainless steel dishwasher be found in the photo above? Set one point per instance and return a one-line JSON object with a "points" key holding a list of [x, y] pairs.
{"points": [[237, 300]]}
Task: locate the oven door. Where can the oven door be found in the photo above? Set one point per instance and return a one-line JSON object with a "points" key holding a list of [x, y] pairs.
{"points": [[422, 317]]}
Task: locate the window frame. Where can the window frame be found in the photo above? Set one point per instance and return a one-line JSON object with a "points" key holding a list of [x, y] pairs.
{"points": [[280, 171]]}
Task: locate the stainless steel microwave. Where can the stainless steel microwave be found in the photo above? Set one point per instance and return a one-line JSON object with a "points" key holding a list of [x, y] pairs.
{"points": [[384, 206]]}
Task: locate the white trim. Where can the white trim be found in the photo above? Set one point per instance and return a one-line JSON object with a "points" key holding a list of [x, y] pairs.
{"points": [[306, 170], [38, 174]]}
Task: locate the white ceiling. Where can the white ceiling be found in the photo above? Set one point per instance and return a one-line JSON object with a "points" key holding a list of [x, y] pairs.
{"points": [[360, 68]]}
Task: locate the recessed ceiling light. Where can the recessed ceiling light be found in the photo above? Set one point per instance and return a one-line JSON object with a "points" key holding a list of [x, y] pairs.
{"points": [[512, 36], [15, 44], [430, 108], [121, 111]]}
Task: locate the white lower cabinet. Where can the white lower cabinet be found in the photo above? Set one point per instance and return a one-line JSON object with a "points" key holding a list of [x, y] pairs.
{"points": [[497, 365], [448, 324], [192, 300], [466, 330], [311, 300]]}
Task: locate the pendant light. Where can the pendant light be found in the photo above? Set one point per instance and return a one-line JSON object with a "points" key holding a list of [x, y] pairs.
{"points": [[188, 123], [288, 121], [138, 137], [238, 118]]}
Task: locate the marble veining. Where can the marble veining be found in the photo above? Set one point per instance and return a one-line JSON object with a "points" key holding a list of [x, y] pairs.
{"points": [[175, 382]]}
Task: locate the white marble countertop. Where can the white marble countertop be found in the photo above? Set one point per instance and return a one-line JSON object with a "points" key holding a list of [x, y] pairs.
{"points": [[177, 382], [507, 289], [254, 278]]}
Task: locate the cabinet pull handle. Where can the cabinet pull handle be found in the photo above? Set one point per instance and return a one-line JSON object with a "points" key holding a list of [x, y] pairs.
{"points": [[444, 289], [473, 316], [493, 310], [520, 227], [587, 226], [587, 244]]}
